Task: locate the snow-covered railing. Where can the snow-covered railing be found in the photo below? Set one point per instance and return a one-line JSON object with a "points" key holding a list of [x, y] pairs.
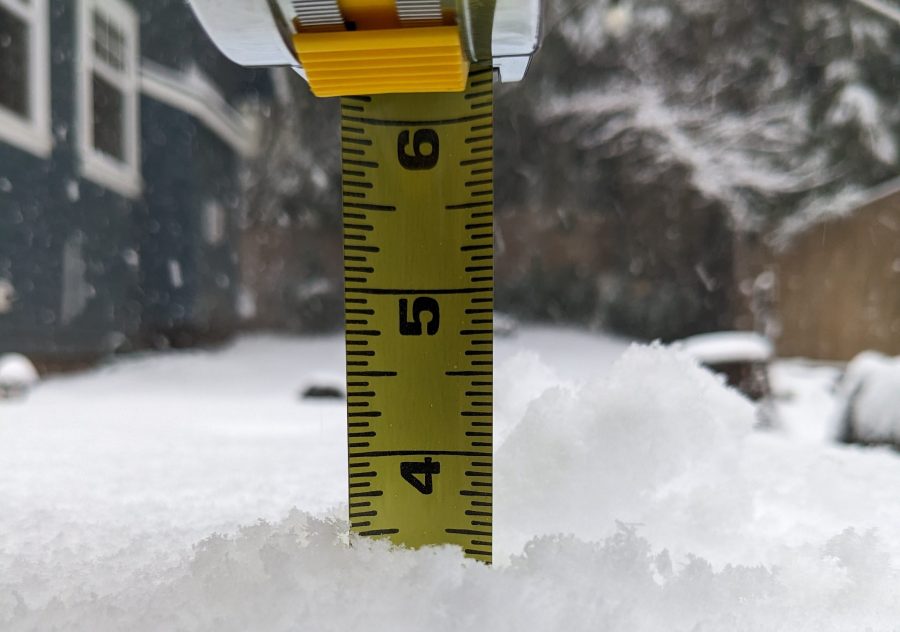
{"points": [[885, 8], [191, 91]]}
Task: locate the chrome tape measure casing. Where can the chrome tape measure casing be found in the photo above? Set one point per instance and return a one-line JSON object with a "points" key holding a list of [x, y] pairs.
{"points": [[259, 32], [418, 253]]}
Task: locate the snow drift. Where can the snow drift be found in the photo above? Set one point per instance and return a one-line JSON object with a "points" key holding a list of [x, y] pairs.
{"points": [[640, 501], [301, 575]]}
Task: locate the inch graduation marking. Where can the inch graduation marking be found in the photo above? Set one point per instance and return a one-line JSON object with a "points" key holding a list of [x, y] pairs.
{"points": [[418, 251]]}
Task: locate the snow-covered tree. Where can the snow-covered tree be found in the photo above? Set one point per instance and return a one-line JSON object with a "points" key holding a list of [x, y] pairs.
{"points": [[771, 107], [296, 176], [767, 113], [690, 127]]}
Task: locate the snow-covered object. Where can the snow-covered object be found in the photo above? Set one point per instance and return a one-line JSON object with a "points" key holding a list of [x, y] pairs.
{"points": [[323, 385], [17, 375], [728, 346], [805, 399], [870, 398]]}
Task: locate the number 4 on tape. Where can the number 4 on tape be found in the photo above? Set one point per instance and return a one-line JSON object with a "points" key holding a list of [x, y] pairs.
{"points": [[428, 468]]}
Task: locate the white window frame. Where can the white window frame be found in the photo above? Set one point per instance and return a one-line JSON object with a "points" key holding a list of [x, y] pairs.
{"points": [[123, 177], [32, 133]]}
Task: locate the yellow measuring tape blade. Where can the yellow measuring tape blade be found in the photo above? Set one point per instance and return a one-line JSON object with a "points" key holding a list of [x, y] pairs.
{"points": [[418, 253]]}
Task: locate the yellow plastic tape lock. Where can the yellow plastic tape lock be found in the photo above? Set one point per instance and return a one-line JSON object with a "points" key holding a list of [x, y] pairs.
{"points": [[383, 61]]}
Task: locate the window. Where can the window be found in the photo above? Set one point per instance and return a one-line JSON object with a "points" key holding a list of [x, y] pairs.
{"points": [[25, 75], [109, 131]]}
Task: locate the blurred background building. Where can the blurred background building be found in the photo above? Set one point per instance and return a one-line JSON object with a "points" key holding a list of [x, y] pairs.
{"points": [[121, 139], [668, 167]]}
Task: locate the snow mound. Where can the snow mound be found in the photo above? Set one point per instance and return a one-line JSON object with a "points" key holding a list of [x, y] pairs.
{"points": [[300, 574], [17, 370], [871, 395], [518, 380], [17, 374], [641, 501], [641, 443]]}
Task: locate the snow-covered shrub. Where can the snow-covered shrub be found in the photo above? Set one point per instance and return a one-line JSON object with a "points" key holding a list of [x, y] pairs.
{"points": [[17, 375], [870, 400]]}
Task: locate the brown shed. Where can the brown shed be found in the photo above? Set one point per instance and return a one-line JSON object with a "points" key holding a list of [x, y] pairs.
{"points": [[838, 289]]}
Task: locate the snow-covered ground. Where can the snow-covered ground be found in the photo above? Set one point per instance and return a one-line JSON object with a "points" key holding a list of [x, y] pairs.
{"points": [[197, 491]]}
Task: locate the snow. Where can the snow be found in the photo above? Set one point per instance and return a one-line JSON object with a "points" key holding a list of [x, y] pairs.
{"points": [[881, 7], [859, 105], [196, 491], [17, 371], [842, 205], [817, 211], [728, 346], [727, 154], [176, 279], [870, 397], [806, 402]]}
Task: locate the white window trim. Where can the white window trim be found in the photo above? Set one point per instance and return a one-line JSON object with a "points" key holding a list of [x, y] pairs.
{"points": [[33, 133], [121, 177]]}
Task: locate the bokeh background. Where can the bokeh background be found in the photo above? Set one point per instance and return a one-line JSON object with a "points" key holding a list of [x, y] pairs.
{"points": [[667, 168]]}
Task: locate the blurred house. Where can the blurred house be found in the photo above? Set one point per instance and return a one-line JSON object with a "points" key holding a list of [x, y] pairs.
{"points": [[121, 136], [837, 288]]}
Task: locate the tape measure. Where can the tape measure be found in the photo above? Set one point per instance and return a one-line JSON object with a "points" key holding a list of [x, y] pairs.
{"points": [[418, 261]]}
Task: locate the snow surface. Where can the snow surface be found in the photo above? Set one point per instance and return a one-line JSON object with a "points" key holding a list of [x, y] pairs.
{"points": [[631, 494]]}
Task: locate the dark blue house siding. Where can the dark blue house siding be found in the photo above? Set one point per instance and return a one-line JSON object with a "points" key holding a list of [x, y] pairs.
{"points": [[193, 168], [47, 205], [115, 252]]}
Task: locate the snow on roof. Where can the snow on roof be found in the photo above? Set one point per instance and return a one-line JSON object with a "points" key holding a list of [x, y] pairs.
{"points": [[881, 7], [841, 205], [727, 346]]}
